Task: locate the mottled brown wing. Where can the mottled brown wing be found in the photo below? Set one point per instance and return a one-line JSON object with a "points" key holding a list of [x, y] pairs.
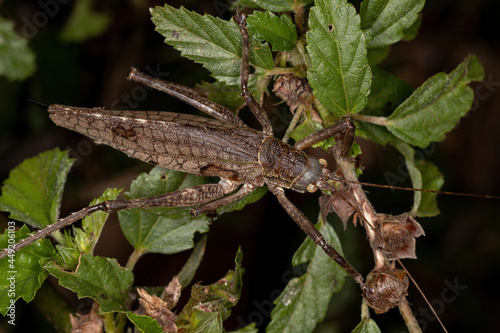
{"points": [[187, 143]]}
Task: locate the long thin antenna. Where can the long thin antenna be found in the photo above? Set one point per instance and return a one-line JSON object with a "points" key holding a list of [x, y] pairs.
{"points": [[43, 106], [484, 196]]}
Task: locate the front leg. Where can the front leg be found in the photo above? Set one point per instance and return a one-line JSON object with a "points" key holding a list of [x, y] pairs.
{"points": [[255, 107], [343, 132], [319, 239]]}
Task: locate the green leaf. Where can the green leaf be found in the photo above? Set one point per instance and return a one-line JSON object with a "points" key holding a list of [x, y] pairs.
{"points": [[386, 93], [206, 321], [339, 73], [213, 42], [279, 31], [228, 96], [375, 56], [432, 179], [33, 191], [101, 279], [305, 300], [437, 106], [17, 60], [416, 177], [86, 238], [161, 230], [145, 324], [23, 268], [412, 31], [84, 23], [240, 203], [210, 305], [250, 328], [188, 271], [306, 128], [275, 5], [367, 326], [385, 21]]}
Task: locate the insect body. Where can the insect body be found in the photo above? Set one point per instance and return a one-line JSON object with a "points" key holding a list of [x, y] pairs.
{"points": [[239, 155], [242, 157]]}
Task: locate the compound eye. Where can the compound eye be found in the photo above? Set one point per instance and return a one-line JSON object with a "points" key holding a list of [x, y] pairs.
{"points": [[322, 162], [311, 188]]}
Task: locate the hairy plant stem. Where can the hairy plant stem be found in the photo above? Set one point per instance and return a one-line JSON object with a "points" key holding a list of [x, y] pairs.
{"points": [[134, 257], [409, 318], [381, 121], [369, 222]]}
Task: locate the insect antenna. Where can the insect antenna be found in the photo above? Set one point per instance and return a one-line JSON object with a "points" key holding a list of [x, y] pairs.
{"points": [[43, 106], [327, 186], [484, 196]]}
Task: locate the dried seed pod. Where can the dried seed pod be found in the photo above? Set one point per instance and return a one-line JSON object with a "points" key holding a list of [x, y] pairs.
{"points": [[399, 233], [293, 90], [390, 286]]}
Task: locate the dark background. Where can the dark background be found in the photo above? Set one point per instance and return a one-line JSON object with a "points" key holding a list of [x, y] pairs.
{"points": [[461, 245]]}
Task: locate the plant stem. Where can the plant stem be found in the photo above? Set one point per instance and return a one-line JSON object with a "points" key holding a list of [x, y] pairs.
{"points": [[409, 318], [132, 260], [293, 123], [381, 121]]}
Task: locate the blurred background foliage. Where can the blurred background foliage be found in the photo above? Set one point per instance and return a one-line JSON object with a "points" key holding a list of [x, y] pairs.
{"points": [[79, 53]]}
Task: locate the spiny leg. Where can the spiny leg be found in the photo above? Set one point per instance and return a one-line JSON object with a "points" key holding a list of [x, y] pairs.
{"points": [[343, 132], [318, 238], [255, 107], [211, 206], [192, 196], [186, 95]]}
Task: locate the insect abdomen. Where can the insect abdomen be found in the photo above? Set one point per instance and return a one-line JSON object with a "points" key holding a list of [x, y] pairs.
{"points": [[187, 143]]}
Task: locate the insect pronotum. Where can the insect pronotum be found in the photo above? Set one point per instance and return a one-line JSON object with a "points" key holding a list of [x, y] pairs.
{"points": [[242, 157]]}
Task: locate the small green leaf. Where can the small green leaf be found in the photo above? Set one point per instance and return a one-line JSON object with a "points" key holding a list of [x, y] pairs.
{"points": [[386, 93], [188, 271], [307, 127], [161, 230], [213, 42], [145, 324], [69, 254], [412, 31], [86, 238], [17, 60], [210, 305], [101, 279], [437, 106], [432, 179], [416, 177], [367, 326], [279, 31], [375, 56], [339, 73], [305, 300], [22, 269], [275, 5], [250, 328], [384, 21], [206, 321], [240, 203], [220, 93], [84, 23], [33, 191]]}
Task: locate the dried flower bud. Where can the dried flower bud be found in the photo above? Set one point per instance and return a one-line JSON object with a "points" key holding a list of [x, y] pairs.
{"points": [[390, 287], [293, 90]]}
